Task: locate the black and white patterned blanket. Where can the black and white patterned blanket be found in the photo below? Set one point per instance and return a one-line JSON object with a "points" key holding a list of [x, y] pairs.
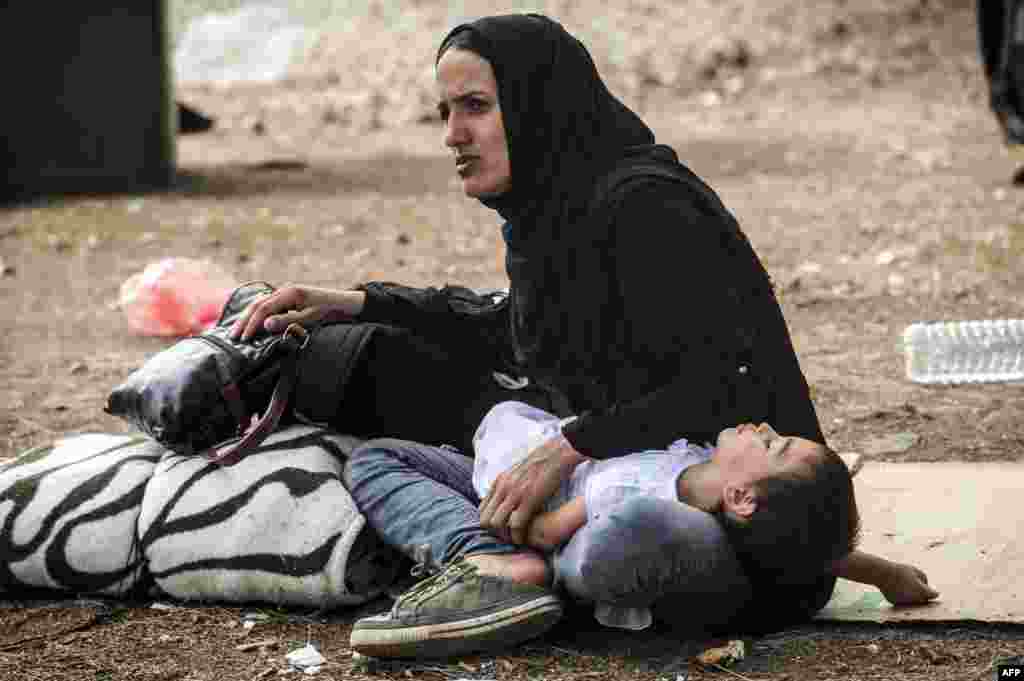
{"points": [[120, 515]]}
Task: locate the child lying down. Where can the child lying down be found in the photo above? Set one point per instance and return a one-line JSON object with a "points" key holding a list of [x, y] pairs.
{"points": [[786, 504]]}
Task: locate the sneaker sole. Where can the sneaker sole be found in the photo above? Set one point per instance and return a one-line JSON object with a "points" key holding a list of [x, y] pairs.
{"points": [[477, 634]]}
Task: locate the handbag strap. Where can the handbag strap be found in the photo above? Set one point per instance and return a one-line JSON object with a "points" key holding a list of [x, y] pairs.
{"points": [[294, 339]]}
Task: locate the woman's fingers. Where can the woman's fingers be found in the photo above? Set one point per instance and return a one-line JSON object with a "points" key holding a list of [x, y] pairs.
{"points": [[255, 316], [490, 504], [507, 514], [519, 523], [279, 322], [497, 520], [496, 508]]}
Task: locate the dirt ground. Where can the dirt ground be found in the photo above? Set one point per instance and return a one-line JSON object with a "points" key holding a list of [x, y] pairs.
{"points": [[852, 140]]}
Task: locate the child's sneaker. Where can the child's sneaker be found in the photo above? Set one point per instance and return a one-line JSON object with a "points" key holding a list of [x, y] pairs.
{"points": [[456, 612]]}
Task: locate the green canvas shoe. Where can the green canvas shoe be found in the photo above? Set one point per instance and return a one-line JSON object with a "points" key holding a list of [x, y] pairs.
{"points": [[456, 612]]}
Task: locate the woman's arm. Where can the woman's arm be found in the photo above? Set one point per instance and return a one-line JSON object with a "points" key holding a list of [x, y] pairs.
{"points": [[901, 584], [676, 261], [454, 314]]}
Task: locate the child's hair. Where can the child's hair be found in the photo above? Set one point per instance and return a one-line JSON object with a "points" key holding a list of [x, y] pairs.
{"points": [[801, 523]]}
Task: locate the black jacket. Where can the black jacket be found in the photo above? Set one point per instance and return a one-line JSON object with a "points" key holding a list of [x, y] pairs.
{"points": [[695, 339]]}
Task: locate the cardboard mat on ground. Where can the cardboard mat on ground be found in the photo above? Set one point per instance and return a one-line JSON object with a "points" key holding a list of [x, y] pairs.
{"points": [[959, 522]]}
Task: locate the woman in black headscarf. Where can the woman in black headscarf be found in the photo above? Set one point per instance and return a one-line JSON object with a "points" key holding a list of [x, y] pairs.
{"points": [[635, 302]]}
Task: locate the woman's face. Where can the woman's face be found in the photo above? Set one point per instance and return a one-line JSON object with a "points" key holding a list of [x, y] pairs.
{"points": [[468, 104]]}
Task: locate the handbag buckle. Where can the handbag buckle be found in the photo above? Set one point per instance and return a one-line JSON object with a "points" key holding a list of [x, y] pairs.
{"points": [[298, 331]]}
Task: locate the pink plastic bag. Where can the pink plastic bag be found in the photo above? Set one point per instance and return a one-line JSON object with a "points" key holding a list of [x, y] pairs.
{"points": [[175, 297]]}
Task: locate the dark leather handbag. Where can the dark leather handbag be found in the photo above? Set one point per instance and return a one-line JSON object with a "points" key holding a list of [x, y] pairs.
{"points": [[211, 395]]}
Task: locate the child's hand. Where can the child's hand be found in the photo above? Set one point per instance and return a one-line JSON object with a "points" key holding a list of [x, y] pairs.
{"points": [[907, 585]]}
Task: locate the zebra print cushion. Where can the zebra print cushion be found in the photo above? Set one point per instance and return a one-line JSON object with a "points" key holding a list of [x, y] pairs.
{"points": [[99, 513], [278, 526], [68, 513]]}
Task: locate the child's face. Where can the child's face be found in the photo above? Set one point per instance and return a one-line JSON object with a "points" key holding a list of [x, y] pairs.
{"points": [[748, 453]]}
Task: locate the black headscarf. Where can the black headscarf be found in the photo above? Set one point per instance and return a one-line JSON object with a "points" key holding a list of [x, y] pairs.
{"points": [[564, 129]]}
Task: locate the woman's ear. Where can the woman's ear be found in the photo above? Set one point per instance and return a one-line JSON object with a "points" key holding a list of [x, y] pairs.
{"points": [[740, 500]]}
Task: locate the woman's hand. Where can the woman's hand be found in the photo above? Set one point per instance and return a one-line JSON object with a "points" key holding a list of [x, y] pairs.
{"points": [[306, 305], [519, 493], [906, 585]]}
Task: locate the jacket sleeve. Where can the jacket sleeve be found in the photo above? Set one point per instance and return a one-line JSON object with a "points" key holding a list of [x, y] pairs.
{"points": [[453, 314], [675, 258]]}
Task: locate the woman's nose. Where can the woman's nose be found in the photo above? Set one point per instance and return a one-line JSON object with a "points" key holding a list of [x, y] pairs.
{"points": [[456, 134]]}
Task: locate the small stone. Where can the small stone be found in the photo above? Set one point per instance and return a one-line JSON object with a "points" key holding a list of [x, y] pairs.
{"points": [[403, 239], [331, 116], [839, 29], [896, 282], [710, 99], [79, 368], [734, 85], [59, 242], [258, 128]]}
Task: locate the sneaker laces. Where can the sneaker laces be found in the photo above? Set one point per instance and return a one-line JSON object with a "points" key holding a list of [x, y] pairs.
{"points": [[431, 585]]}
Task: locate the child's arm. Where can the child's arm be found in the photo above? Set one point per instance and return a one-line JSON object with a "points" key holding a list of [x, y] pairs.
{"points": [[551, 529], [901, 584]]}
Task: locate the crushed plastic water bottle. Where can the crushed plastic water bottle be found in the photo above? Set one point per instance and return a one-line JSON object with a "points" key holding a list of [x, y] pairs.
{"points": [[981, 351], [175, 297]]}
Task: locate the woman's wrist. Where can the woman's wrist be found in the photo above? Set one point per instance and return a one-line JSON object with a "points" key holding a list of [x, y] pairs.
{"points": [[341, 305], [567, 454], [354, 302]]}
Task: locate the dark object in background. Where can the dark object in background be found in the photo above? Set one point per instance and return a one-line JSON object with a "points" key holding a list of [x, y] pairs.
{"points": [[89, 108], [1001, 39], [191, 121]]}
